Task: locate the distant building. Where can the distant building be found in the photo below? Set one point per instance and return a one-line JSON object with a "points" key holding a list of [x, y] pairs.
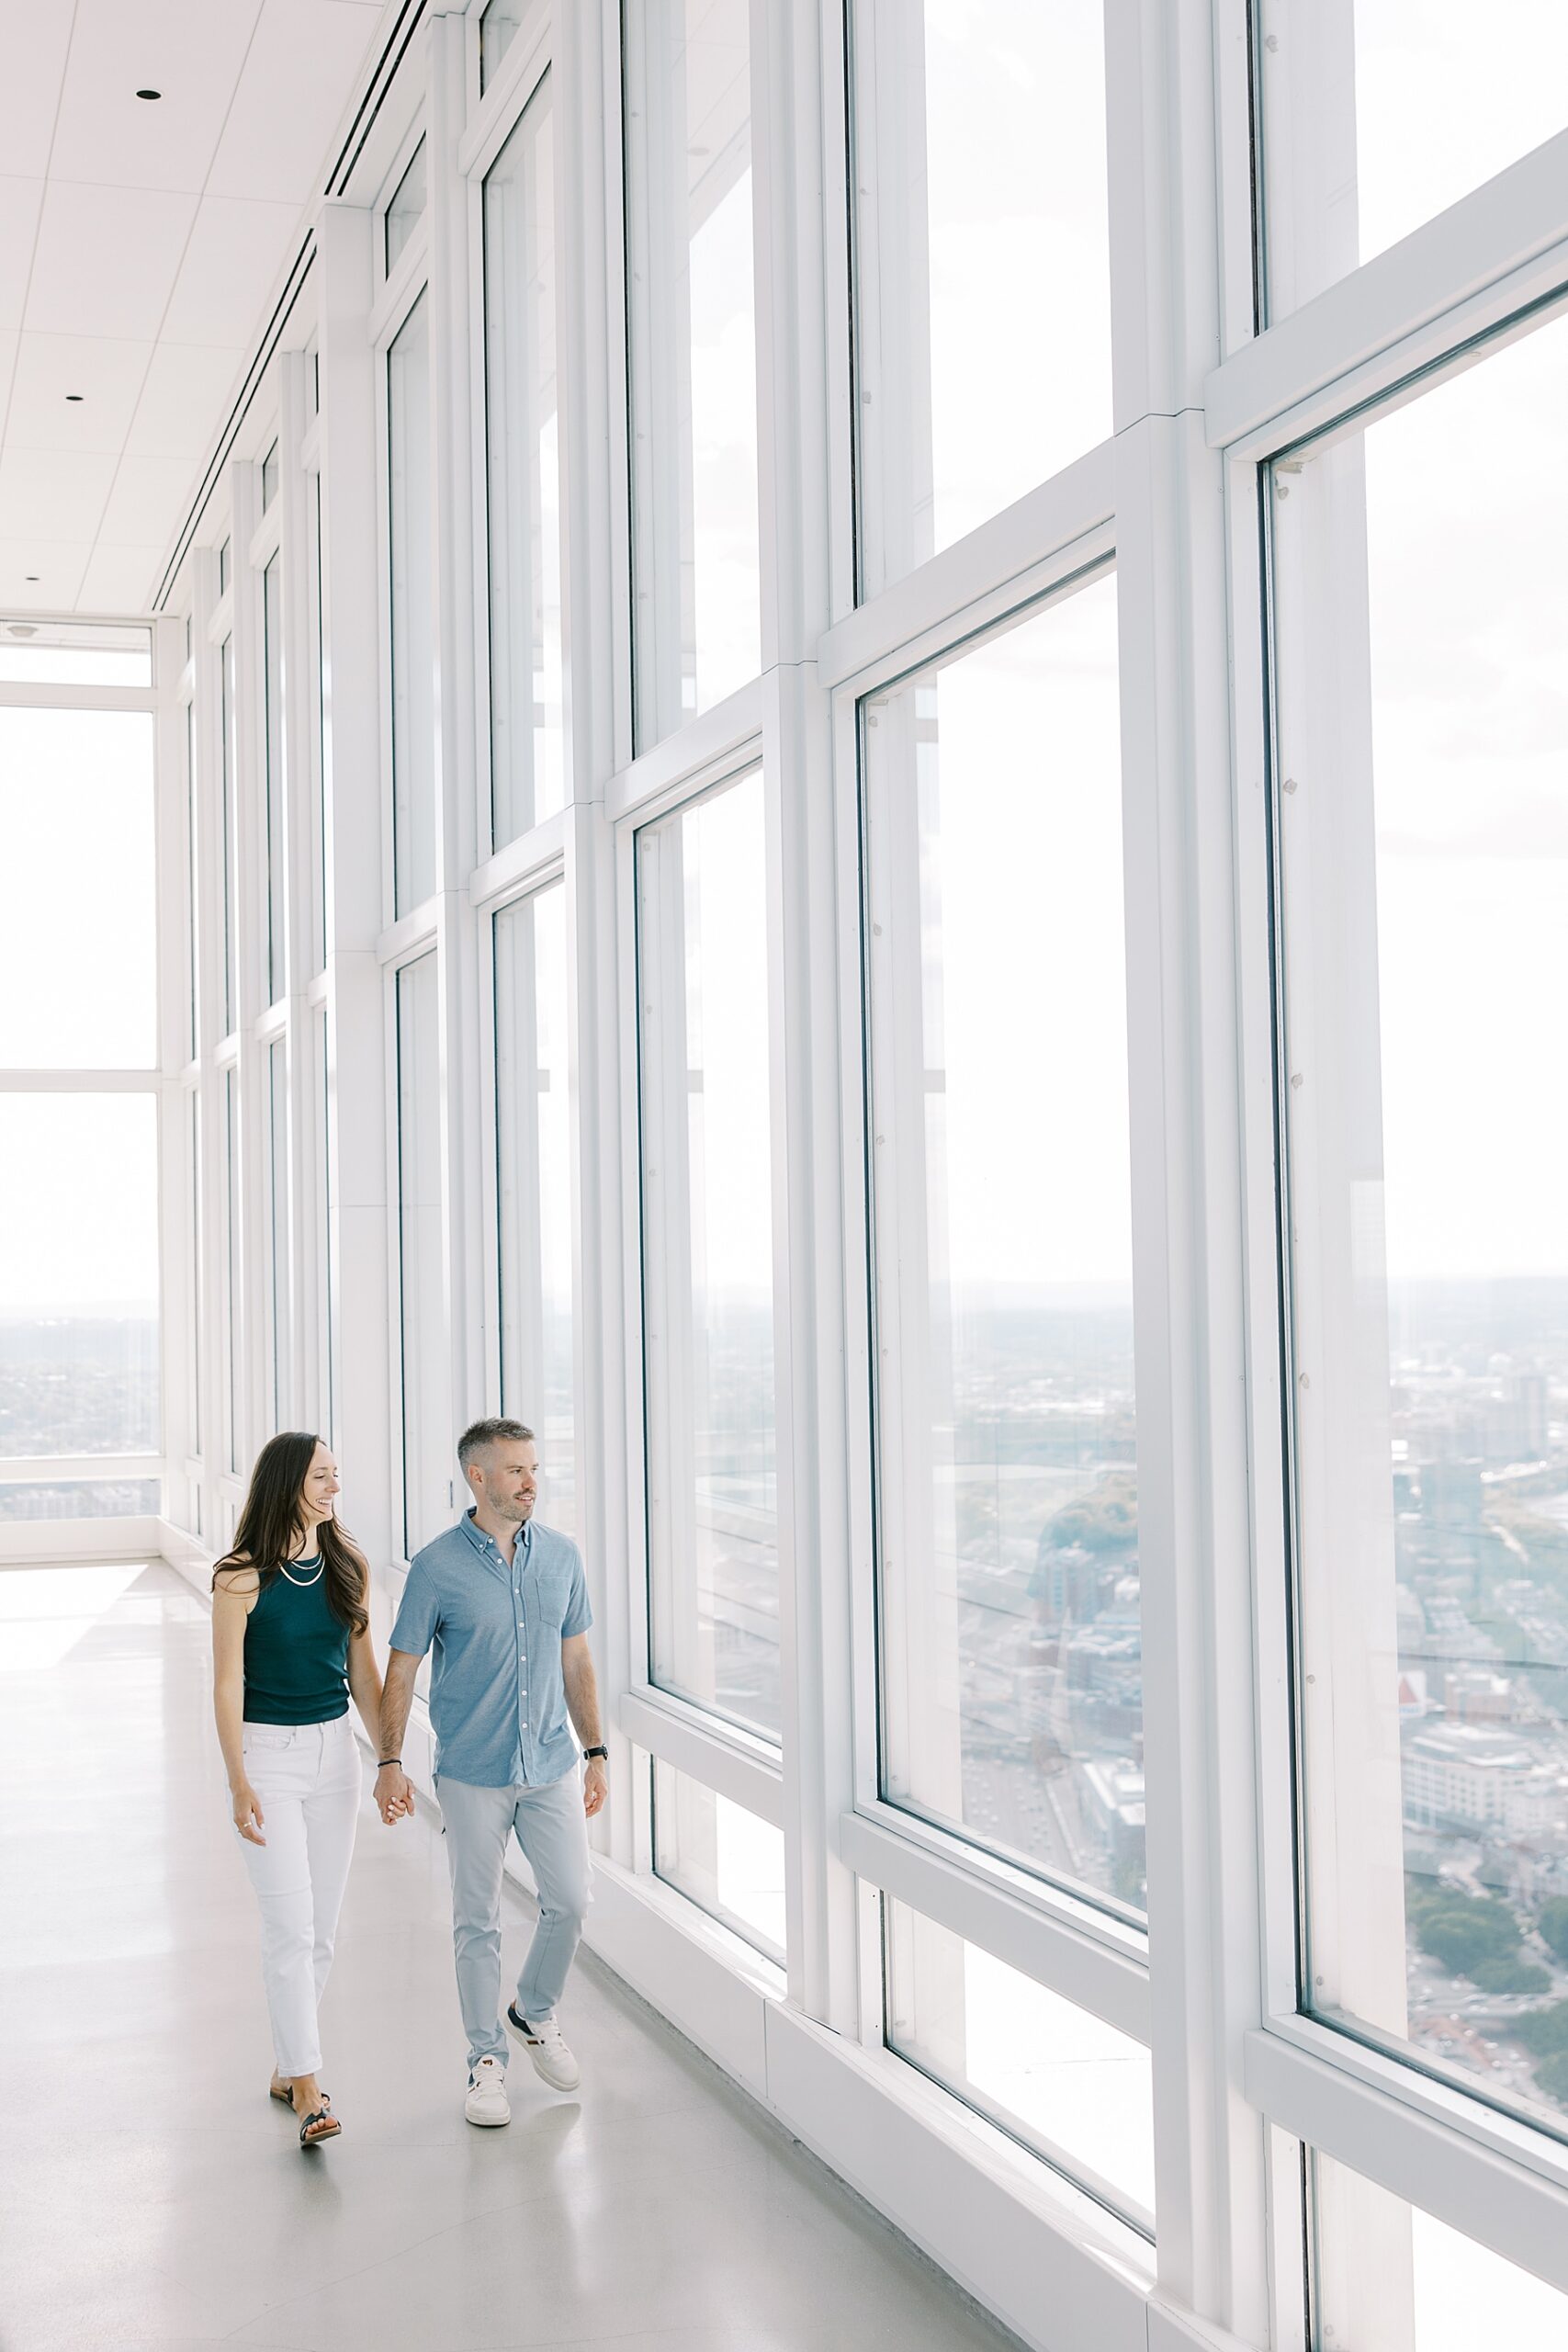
{"points": [[1473, 1694], [1462, 1775]]}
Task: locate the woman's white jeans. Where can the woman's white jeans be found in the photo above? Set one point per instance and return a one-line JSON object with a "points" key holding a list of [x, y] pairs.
{"points": [[307, 1781]]}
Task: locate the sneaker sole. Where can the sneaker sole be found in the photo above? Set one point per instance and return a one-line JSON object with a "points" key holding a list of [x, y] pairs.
{"points": [[486, 2122]]}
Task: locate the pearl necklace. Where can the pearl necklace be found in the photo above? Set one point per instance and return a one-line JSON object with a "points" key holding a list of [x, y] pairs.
{"points": [[303, 1584]]}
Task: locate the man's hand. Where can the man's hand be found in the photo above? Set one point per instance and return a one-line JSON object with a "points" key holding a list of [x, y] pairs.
{"points": [[394, 1793], [595, 1786]]}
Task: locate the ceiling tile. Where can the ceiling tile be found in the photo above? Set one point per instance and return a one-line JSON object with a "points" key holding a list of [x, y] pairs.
{"points": [[8, 344], [52, 492], [59, 568], [275, 143], [119, 581], [106, 259], [235, 253], [147, 500], [182, 402], [189, 49], [107, 374], [33, 42], [19, 204]]}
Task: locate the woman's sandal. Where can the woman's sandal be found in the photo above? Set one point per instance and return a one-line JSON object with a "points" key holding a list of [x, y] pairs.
{"points": [[330, 2126], [307, 2137]]}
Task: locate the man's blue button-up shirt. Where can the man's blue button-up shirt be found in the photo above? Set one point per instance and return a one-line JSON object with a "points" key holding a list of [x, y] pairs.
{"points": [[497, 1693]]}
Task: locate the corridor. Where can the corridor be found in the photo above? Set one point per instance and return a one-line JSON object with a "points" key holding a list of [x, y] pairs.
{"points": [[153, 2199]]}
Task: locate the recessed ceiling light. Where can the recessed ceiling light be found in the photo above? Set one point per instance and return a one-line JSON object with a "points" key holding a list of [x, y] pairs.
{"points": [[21, 629], [148, 93]]}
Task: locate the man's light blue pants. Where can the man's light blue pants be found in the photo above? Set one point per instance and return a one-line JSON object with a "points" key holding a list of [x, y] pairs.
{"points": [[552, 1831]]}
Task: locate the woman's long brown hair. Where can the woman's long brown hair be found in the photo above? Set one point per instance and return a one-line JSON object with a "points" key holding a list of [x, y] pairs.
{"points": [[274, 1517]]}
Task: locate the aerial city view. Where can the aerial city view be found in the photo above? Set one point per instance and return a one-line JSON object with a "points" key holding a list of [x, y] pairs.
{"points": [[77, 1385], [1037, 1478]]}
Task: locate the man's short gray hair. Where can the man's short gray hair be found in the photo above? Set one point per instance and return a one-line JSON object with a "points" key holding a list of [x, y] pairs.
{"points": [[479, 1435]]}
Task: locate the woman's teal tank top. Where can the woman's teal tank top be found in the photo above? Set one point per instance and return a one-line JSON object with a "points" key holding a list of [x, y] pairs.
{"points": [[296, 1653]]}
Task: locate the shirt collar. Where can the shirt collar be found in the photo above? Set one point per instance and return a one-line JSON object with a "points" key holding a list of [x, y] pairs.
{"points": [[486, 1545]]}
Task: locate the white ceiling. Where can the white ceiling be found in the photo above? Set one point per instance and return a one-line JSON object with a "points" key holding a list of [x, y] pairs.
{"points": [[139, 244]]}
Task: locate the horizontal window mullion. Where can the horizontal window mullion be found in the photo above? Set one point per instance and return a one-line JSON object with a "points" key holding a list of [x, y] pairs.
{"points": [[533, 859], [48, 1469], [735, 1767], [1043, 529], [1439, 2163], [725, 739], [1512, 228], [1074, 1959]]}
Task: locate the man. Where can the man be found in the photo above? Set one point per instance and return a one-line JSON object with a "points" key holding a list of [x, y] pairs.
{"points": [[503, 1601]]}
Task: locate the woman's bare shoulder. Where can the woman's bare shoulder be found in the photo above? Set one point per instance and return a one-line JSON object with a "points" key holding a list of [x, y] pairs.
{"points": [[238, 1575]]}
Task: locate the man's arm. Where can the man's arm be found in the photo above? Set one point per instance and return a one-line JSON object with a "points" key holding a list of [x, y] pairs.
{"points": [[582, 1705], [394, 1789]]}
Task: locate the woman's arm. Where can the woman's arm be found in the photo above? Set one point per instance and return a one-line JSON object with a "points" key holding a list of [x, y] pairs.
{"points": [[234, 1594], [364, 1683]]}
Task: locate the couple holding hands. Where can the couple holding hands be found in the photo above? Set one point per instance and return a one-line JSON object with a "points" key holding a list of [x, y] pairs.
{"points": [[501, 1605]]}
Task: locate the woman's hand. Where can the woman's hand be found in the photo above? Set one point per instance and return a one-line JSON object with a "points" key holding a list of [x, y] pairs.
{"points": [[248, 1814]]}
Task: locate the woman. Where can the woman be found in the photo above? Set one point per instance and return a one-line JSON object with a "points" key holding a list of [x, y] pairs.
{"points": [[290, 1647]]}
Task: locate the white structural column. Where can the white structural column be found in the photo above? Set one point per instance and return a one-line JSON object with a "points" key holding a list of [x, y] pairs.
{"points": [[175, 1198], [461, 838], [802, 406], [302, 1374], [1192, 1466], [356, 1032], [597, 670]]}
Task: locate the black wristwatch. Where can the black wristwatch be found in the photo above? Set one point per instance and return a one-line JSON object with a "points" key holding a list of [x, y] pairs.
{"points": [[595, 1751]]}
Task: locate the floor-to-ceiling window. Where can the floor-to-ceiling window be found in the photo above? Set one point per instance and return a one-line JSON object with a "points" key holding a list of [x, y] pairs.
{"points": [[81, 1416], [915, 657]]}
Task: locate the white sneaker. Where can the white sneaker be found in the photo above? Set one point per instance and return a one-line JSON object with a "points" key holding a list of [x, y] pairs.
{"points": [[487, 2101], [553, 2062]]}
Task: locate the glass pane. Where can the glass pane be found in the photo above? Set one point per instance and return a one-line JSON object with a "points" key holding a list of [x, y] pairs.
{"points": [[193, 893], [79, 1303], [77, 653], [277, 1244], [428, 1436], [326, 1322], [406, 209], [78, 940], [1422, 609], [277, 859], [498, 30], [319, 729], [223, 561], [727, 1861], [269, 478], [1074, 2089], [229, 1275], [693, 318], [534, 1190], [1011, 1664], [526, 776], [1384, 2273], [707, 1255], [1379, 114], [230, 836], [983, 332], [196, 1319], [80, 1498], [413, 636]]}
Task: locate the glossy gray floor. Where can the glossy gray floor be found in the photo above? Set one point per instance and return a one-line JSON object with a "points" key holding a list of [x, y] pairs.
{"points": [[150, 2195]]}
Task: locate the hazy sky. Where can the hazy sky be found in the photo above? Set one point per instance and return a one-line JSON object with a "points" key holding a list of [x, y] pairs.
{"points": [[78, 1203], [77, 962]]}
